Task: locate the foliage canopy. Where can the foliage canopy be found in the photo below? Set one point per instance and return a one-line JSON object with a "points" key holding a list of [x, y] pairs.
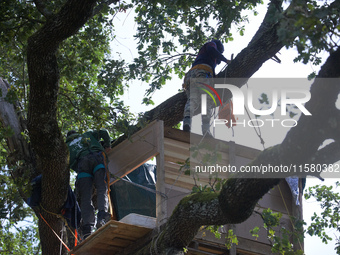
{"points": [[91, 77]]}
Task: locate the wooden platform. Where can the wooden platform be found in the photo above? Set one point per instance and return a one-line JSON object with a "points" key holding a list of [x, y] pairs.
{"points": [[111, 238], [171, 148]]}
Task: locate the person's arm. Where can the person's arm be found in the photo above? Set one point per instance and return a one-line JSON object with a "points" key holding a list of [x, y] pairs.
{"points": [[212, 50], [104, 134]]}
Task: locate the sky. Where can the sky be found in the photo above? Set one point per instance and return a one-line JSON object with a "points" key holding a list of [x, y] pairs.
{"points": [[286, 69]]}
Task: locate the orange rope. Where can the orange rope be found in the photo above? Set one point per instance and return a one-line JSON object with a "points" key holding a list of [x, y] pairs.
{"points": [[63, 219], [68, 249], [76, 238]]}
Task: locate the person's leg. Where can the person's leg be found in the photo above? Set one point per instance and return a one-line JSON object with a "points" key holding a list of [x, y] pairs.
{"points": [[206, 119], [84, 186], [188, 113], [206, 78], [193, 99], [101, 187], [102, 196], [198, 81]]}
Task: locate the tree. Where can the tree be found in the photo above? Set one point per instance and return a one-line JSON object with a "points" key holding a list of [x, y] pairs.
{"points": [[70, 73], [329, 219]]}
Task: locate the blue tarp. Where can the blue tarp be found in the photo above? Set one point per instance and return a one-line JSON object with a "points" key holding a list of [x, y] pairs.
{"points": [[293, 183], [70, 211]]}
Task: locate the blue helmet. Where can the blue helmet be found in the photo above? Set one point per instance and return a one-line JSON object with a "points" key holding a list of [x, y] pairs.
{"points": [[219, 45]]}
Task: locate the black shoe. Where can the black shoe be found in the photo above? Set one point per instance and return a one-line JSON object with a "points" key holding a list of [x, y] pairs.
{"points": [[187, 124], [86, 231], [186, 128], [102, 218]]}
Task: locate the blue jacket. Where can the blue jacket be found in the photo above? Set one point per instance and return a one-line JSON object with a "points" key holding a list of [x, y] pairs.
{"points": [[209, 55]]}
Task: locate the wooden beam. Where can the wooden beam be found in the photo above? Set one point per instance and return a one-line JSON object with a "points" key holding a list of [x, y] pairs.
{"points": [[161, 200]]}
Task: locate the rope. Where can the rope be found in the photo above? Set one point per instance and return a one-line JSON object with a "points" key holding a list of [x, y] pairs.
{"points": [[258, 133], [76, 240], [290, 219], [55, 214], [62, 234], [65, 223], [68, 249]]}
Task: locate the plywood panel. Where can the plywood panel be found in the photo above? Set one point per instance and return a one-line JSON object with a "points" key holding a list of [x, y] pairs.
{"points": [[168, 142], [110, 239], [178, 135], [133, 152]]}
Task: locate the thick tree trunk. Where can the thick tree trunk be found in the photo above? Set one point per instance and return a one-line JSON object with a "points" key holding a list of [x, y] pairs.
{"points": [[46, 138]]}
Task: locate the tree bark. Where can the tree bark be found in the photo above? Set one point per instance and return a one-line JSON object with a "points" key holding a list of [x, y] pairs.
{"points": [[46, 138], [20, 159]]}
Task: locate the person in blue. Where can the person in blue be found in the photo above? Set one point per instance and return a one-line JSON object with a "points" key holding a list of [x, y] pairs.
{"points": [[87, 159], [202, 71]]}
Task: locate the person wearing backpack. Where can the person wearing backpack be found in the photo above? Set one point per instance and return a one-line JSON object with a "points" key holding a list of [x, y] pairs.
{"points": [[87, 159], [202, 72]]}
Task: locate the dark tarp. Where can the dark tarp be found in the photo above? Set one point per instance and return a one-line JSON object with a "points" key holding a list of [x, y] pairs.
{"points": [[70, 210], [129, 198]]}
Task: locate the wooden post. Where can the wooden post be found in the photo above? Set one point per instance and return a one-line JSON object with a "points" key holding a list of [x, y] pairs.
{"points": [[161, 203]]}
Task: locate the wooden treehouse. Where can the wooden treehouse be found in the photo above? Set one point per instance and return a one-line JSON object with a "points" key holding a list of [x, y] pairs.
{"points": [[170, 147]]}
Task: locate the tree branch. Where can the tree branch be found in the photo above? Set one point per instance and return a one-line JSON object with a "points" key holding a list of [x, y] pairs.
{"points": [[20, 156], [41, 7], [327, 155], [264, 45], [10, 117]]}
